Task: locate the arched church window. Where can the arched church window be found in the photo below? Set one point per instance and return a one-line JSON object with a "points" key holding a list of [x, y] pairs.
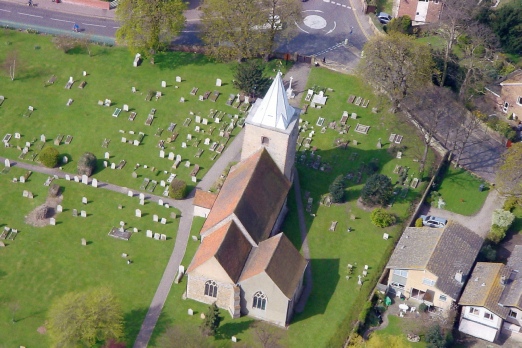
{"points": [[259, 300], [211, 288]]}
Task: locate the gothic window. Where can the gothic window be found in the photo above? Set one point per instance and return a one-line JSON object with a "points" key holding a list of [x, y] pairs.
{"points": [[211, 288], [259, 300]]}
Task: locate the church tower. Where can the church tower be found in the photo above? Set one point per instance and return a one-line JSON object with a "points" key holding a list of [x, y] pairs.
{"points": [[272, 123]]}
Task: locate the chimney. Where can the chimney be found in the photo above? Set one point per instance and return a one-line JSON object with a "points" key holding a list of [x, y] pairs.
{"points": [[459, 276], [503, 280]]}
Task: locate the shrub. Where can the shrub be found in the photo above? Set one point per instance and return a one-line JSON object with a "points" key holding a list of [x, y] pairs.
{"points": [[377, 190], [381, 218], [337, 190], [434, 337], [87, 164], [49, 157], [488, 253], [496, 234], [400, 24], [510, 203], [423, 307], [418, 222], [503, 218], [177, 189]]}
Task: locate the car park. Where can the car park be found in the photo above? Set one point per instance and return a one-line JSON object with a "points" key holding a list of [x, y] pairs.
{"points": [[433, 221]]}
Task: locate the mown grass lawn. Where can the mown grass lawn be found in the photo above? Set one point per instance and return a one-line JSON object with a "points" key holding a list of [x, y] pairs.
{"points": [[400, 327], [460, 190], [44, 263]]}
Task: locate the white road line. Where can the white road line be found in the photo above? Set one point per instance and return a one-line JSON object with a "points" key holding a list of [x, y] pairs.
{"points": [[344, 5], [61, 20], [313, 11], [95, 25], [30, 15], [335, 25], [4, 10], [115, 27], [297, 25]]}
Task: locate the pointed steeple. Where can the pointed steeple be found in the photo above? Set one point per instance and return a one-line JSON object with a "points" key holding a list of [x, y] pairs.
{"points": [[274, 110]]}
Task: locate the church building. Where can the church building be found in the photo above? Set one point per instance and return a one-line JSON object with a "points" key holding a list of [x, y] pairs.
{"points": [[244, 263]]}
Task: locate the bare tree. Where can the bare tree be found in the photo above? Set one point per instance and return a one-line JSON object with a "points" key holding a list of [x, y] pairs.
{"points": [[267, 335], [470, 124], [10, 64]]}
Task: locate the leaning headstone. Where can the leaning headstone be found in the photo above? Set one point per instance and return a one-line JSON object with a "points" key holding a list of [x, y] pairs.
{"points": [[84, 241], [94, 183], [138, 213], [52, 221], [83, 213], [155, 218], [7, 163], [59, 208], [218, 82]]}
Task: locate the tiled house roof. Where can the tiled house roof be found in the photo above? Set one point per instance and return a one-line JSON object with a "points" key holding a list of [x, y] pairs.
{"points": [[204, 199], [512, 296]]}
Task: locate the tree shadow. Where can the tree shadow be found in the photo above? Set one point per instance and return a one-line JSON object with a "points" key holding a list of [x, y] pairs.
{"points": [[135, 318], [174, 60], [233, 328]]}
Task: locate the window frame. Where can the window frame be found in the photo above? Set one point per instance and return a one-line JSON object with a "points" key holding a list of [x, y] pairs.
{"points": [[259, 301], [428, 282], [474, 311], [211, 288], [443, 298], [401, 272], [512, 312], [265, 141], [488, 316]]}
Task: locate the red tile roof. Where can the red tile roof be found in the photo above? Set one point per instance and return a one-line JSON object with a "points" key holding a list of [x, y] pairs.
{"points": [[204, 199]]}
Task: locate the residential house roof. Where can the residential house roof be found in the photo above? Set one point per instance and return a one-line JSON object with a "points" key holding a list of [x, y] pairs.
{"points": [[484, 288], [228, 246], [204, 199], [254, 191], [280, 260], [512, 295], [443, 252]]}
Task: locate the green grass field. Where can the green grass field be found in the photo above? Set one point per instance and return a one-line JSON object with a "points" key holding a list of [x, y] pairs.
{"points": [[460, 191]]}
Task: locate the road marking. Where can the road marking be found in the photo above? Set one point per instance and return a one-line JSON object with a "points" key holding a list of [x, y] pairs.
{"points": [[329, 49], [4, 10], [61, 20], [358, 20], [95, 25], [30, 15], [297, 25], [335, 25], [115, 27], [313, 11]]}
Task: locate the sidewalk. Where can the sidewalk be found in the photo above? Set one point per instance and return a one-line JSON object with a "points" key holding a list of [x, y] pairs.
{"points": [[362, 18], [69, 6]]}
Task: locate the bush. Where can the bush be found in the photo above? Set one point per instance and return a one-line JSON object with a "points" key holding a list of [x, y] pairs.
{"points": [[423, 307], [496, 234], [177, 189], [337, 190], [488, 253], [434, 337], [400, 24], [87, 164], [418, 222], [503, 218], [49, 157], [377, 190], [381, 218], [510, 203]]}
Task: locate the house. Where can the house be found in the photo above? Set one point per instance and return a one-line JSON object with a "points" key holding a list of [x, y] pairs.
{"points": [[431, 265], [492, 300], [203, 202], [244, 263], [420, 11], [506, 94]]}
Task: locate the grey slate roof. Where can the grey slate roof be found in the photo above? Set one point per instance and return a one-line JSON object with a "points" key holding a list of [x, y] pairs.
{"points": [[442, 251], [512, 295]]}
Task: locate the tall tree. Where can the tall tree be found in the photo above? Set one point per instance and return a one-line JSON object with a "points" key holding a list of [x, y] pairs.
{"points": [[85, 318], [147, 26], [395, 65], [250, 78], [282, 16], [507, 24], [212, 320], [509, 175]]}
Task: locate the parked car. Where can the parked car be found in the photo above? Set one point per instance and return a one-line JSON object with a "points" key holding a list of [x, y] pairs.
{"points": [[433, 221], [384, 18]]}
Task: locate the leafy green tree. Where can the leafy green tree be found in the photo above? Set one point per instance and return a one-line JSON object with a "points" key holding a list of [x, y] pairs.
{"points": [[496, 234], [149, 25], [212, 320], [87, 164], [282, 16], [503, 218], [49, 157], [377, 190], [509, 175], [400, 24], [395, 65], [337, 190], [85, 318], [381, 218], [177, 189], [435, 338], [249, 77], [487, 253], [506, 22]]}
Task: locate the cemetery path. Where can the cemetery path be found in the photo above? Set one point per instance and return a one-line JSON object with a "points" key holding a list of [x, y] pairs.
{"points": [[307, 290], [299, 72]]}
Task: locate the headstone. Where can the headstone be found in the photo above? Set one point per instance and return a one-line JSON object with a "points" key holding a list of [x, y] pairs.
{"points": [[160, 202], [134, 175], [30, 195], [187, 164], [133, 89], [76, 178], [155, 218], [52, 221], [142, 196], [163, 237], [379, 145], [194, 179], [189, 136], [83, 213], [67, 177], [135, 230], [204, 121], [75, 213], [178, 78], [173, 215], [120, 207], [107, 155], [85, 179], [142, 202], [171, 156], [162, 154], [84, 200], [7, 163], [190, 311], [234, 339], [113, 165], [125, 107], [94, 183], [149, 234], [202, 316], [2, 244], [22, 179], [163, 221], [42, 138], [17, 135], [163, 84], [181, 100], [167, 205], [184, 145], [130, 193], [122, 223], [65, 159], [207, 141], [162, 183], [71, 80], [218, 82], [156, 236], [198, 119], [124, 255], [385, 236], [59, 208], [138, 213], [84, 242], [25, 193], [123, 139], [105, 163]]}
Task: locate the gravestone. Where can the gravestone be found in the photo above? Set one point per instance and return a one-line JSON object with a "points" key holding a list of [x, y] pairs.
{"points": [[133, 89], [202, 316], [30, 195], [75, 213], [181, 100], [52, 221], [162, 183], [84, 200], [107, 155], [94, 183], [122, 223], [138, 213], [160, 202], [190, 311], [163, 237], [204, 121], [120, 207], [234, 339], [163, 84], [105, 163], [135, 230], [113, 165], [85, 179], [385, 236], [187, 164], [167, 205], [125, 107], [17, 135], [83, 213], [207, 141], [352, 217], [379, 145], [76, 178], [156, 236], [65, 159], [163, 221], [130, 194], [142, 196], [194, 179], [67, 177], [198, 119], [162, 154], [178, 78], [171, 156], [142, 202], [134, 175], [173, 215], [184, 145], [123, 139], [25, 193], [22, 179], [84, 242], [218, 82], [59, 208], [7, 163], [2, 244], [149, 234], [42, 138], [155, 218], [189, 136]]}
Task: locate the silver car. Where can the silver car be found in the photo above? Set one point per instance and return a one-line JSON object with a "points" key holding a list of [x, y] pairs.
{"points": [[433, 221]]}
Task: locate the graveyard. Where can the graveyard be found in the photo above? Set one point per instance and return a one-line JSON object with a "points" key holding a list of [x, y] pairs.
{"points": [[115, 112]]}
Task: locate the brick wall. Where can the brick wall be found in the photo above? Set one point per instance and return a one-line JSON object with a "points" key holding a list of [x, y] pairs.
{"points": [[196, 291]]}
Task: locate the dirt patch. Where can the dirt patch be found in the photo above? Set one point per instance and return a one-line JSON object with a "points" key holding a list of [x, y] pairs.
{"points": [[42, 330], [366, 208], [33, 217]]}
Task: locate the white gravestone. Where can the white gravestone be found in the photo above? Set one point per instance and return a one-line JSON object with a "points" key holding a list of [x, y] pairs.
{"points": [[22, 179], [105, 163], [162, 154], [85, 179], [163, 221], [171, 156], [52, 221], [204, 121], [94, 183], [149, 233], [83, 213], [76, 178], [142, 196], [218, 82], [84, 200], [42, 138], [142, 202], [125, 107], [107, 155], [155, 218], [59, 208], [130, 193], [184, 145], [178, 78], [160, 202], [67, 177], [113, 165], [138, 213], [198, 119], [163, 84]]}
